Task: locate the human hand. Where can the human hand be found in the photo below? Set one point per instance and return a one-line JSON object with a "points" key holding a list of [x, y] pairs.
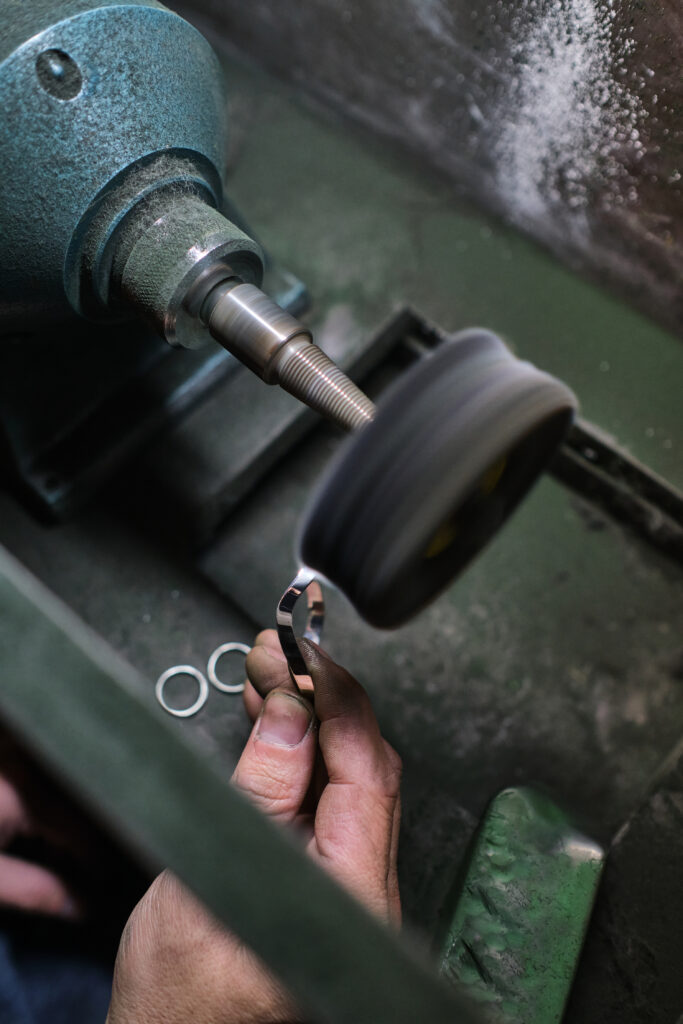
{"points": [[54, 858], [330, 776], [33, 814]]}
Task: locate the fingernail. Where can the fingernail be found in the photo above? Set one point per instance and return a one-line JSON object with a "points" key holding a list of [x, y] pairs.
{"points": [[284, 720]]}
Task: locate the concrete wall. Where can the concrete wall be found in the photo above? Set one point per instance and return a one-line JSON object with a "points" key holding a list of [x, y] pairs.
{"points": [[566, 116]]}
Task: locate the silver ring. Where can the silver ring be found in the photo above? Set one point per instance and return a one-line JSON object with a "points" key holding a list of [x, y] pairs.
{"points": [[213, 661], [182, 670], [303, 581]]}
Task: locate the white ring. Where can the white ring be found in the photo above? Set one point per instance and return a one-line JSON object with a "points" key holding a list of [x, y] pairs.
{"points": [[213, 661], [182, 670]]}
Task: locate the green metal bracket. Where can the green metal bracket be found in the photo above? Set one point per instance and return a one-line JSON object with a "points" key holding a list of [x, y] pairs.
{"points": [[514, 939]]}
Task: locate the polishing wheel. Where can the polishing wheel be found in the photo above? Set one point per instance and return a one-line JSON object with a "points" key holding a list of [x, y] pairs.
{"points": [[416, 492]]}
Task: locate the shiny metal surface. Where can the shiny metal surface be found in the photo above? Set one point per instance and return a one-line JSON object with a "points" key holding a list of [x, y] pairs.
{"points": [[305, 580], [182, 670], [250, 325], [307, 373], [213, 664], [279, 349], [168, 258]]}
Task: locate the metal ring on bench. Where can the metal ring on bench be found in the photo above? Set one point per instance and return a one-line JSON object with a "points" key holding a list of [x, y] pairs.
{"points": [[182, 670], [213, 661], [305, 580]]}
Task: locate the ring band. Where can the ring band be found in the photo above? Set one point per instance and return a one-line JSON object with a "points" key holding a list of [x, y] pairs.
{"points": [[182, 670], [213, 661], [304, 580]]}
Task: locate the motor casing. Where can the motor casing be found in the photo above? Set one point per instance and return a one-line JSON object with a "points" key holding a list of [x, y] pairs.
{"points": [[100, 100]]}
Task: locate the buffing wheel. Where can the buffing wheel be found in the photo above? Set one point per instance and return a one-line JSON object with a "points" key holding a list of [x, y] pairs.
{"points": [[415, 494]]}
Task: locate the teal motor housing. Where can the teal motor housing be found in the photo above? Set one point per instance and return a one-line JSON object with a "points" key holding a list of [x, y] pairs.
{"points": [[113, 116]]}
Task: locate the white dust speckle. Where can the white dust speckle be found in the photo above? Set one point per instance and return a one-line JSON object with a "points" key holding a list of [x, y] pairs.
{"points": [[431, 16], [569, 117]]}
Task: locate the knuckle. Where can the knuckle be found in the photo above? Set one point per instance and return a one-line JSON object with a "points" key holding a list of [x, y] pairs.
{"points": [[389, 784], [394, 759], [251, 661], [385, 778], [167, 921], [269, 786]]}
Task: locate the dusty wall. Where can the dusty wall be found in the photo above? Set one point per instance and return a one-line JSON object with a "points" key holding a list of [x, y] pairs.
{"points": [[564, 115]]}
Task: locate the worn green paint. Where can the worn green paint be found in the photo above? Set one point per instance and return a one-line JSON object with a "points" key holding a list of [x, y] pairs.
{"points": [[522, 910]]}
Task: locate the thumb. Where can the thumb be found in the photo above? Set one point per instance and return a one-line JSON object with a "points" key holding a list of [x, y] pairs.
{"points": [[276, 765]]}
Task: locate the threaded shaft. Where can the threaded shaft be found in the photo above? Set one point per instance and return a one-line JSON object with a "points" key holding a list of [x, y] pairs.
{"points": [[307, 373], [279, 349]]}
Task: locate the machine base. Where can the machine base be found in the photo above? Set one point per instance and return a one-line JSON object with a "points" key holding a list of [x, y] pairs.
{"points": [[101, 392]]}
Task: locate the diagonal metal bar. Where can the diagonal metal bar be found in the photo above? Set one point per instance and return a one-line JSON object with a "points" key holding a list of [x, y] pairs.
{"points": [[77, 704], [591, 464]]}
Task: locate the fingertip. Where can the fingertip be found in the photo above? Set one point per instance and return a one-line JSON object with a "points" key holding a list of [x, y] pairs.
{"points": [[335, 688], [36, 889], [315, 657], [262, 660], [266, 671], [261, 637], [269, 640], [70, 910], [14, 816]]}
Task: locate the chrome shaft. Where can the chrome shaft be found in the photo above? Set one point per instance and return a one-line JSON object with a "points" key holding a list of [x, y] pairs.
{"points": [[280, 350]]}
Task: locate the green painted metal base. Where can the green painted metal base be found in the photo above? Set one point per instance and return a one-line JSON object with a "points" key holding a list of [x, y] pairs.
{"points": [[513, 941]]}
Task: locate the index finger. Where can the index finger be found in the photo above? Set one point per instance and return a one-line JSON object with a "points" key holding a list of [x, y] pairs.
{"points": [[267, 670], [349, 735], [356, 824]]}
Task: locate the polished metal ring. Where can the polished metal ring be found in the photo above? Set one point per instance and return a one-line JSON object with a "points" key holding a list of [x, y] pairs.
{"points": [[182, 670], [213, 661], [303, 581]]}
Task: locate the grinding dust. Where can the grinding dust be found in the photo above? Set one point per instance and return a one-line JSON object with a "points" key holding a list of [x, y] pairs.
{"points": [[569, 125]]}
